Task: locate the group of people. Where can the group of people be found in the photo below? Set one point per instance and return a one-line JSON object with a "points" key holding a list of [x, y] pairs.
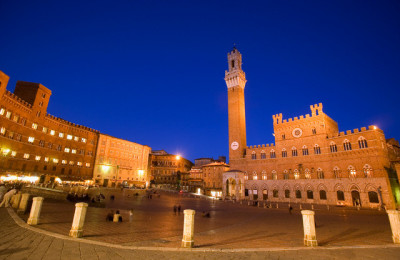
{"points": [[6, 194], [177, 209]]}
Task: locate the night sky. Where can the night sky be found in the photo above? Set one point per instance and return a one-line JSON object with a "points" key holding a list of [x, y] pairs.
{"points": [[152, 72]]}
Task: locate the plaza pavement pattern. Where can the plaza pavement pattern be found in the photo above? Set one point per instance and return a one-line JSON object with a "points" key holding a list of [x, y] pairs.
{"points": [[233, 232]]}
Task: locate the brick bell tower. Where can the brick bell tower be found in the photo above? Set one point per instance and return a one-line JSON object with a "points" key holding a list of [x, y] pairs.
{"points": [[235, 80]]}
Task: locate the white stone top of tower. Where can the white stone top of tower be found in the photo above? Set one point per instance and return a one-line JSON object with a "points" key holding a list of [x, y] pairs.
{"points": [[235, 76]]}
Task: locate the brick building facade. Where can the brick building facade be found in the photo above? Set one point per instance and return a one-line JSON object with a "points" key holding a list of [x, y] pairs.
{"points": [[121, 162], [33, 142], [311, 161]]}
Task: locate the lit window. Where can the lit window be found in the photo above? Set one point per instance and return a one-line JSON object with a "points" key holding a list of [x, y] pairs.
{"points": [[307, 174], [71, 162], [46, 159], [87, 164], [31, 139], [76, 138], [8, 114], [64, 161], [66, 150], [52, 132], [13, 153], [26, 155], [79, 163], [61, 135], [73, 151], [69, 137], [83, 140], [255, 177], [367, 171], [16, 118], [2, 111], [34, 126], [352, 172], [37, 158], [2, 131], [296, 174], [55, 160], [44, 129], [246, 177]]}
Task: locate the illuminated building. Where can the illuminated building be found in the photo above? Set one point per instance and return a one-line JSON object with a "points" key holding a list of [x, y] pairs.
{"points": [[311, 161], [121, 162], [169, 170], [33, 142]]}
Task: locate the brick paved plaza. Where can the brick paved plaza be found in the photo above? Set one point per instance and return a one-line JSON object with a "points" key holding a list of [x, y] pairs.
{"points": [[234, 230]]}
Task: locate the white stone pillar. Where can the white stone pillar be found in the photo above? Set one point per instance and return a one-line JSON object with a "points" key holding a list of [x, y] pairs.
{"points": [[310, 238], [79, 220], [35, 211], [394, 219], [188, 228], [23, 203], [17, 198]]}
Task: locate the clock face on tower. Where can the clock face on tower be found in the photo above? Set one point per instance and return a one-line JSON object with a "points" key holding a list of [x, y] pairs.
{"points": [[297, 132], [234, 145]]}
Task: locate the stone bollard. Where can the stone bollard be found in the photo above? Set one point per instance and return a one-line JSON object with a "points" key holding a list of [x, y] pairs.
{"points": [[310, 238], [312, 206], [277, 206], [394, 219], [116, 217], [79, 220], [17, 198], [35, 211], [188, 228], [24, 203]]}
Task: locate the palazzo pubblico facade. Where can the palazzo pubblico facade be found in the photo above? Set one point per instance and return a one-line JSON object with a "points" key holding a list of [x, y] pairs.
{"points": [[310, 161]]}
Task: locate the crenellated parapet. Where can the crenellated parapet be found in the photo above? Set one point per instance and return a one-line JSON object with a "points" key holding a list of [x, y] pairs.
{"points": [[70, 124], [17, 99]]}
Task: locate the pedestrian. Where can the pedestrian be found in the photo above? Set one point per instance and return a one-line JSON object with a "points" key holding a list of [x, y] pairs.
{"points": [[130, 215], [179, 209], [290, 210], [110, 216], [175, 209], [7, 198], [3, 190]]}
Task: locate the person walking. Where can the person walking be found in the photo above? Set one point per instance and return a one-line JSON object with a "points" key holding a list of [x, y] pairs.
{"points": [[179, 209], [175, 209], [3, 190], [290, 210], [7, 198]]}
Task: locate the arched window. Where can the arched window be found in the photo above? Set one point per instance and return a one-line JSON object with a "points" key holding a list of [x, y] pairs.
{"points": [[340, 195], [294, 151], [307, 173], [287, 194], [317, 149], [296, 174], [265, 194], [255, 177], [284, 153], [352, 171], [272, 154], [263, 155], [253, 155], [264, 175], [322, 195], [333, 147], [285, 175], [298, 194], [274, 175], [367, 171], [246, 177], [320, 174], [373, 197], [310, 194], [347, 145], [275, 193], [362, 142], [336, 172], [305, 150]]}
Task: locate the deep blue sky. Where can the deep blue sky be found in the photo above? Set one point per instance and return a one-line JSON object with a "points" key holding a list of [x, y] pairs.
{"points": [[152, 72]]}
